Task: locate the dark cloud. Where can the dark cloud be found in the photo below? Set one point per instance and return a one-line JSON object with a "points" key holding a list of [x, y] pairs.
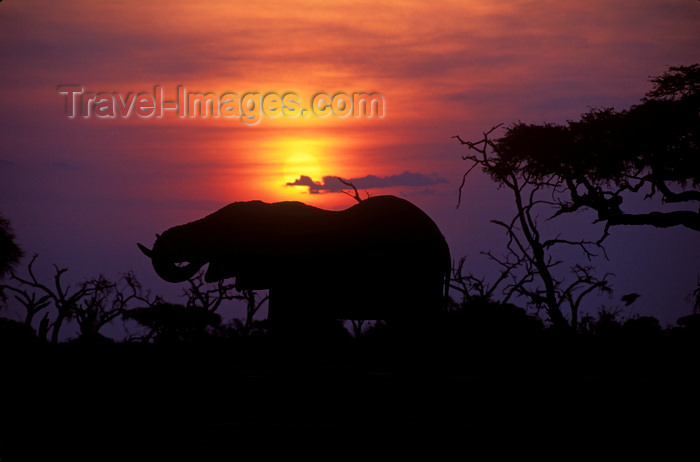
{"points": [[65, 166], [333, 184]]}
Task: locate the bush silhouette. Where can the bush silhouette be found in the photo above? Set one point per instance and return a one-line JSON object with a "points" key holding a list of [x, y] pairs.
{"points": [[170, 323]]}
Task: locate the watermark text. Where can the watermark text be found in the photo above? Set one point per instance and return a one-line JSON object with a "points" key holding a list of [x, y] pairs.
{"points": [[248, 107]]}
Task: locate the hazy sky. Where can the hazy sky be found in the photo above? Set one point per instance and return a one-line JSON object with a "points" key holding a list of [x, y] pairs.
{"points": [[82, 191]]}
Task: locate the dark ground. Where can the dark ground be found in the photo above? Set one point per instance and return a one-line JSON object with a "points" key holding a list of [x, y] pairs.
{"points": [[127, 402]]}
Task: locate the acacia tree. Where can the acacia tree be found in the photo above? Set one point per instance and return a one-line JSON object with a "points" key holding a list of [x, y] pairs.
{"points": [[210, 296], [172, 322], [205, 295], [608, 156], [63, 298], [594, 163], [92, 303], [529, 268], [106, 301], [197, 317]]}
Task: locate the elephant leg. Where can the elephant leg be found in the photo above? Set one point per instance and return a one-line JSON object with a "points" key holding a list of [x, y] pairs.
{"points": [[286, 311], [283, 307], [296, 314]]}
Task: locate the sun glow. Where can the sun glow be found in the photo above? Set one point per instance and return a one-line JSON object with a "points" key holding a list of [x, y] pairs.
{"points": [[289, 158], [301, 163], [274, 162]]}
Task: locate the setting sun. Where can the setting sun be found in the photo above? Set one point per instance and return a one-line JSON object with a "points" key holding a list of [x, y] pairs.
{"points": [[287, 158], [301, 163]]}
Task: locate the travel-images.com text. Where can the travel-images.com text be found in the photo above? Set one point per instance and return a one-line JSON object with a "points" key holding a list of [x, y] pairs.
{"points": [[248, 107]]}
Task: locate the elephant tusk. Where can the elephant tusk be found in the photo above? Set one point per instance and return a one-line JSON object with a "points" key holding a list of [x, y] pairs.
{"points": [[145, 250]]}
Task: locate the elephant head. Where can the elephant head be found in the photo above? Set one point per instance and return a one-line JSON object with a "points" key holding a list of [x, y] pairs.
{"points": [[233, 241], [172, 261]]}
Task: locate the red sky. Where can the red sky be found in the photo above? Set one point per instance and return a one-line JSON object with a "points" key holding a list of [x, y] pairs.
{"points": [[80, 192]]}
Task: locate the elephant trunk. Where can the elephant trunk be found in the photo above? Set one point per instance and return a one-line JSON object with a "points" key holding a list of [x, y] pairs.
{"points": [[167, 269]]}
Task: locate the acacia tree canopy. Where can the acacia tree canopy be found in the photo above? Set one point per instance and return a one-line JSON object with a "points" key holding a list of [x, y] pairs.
{"points": [[652, 148]]}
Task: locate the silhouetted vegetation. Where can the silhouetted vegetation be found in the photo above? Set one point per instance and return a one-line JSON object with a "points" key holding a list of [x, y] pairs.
{"points": [[608, 156], [14, 334], [210, 296], [594, 163], [193, 388], [168, 323], [475, 321], [10, 253], [93, 303], [530, 268]]}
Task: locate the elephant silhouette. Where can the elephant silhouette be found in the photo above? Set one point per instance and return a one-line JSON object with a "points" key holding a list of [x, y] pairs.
{"points": [[381, 259]]}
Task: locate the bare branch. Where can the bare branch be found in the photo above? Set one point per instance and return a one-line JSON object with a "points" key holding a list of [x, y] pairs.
{"points": [[528, 268], [207, 296], [356, 195]]}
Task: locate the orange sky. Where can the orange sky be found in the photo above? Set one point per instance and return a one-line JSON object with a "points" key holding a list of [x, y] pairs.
{"points": [[435, 65], [443, 68]]}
